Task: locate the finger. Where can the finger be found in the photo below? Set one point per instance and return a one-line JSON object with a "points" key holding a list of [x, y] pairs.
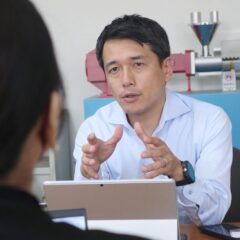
{"points": [[153, 153], [154, 174], [88, 161], [140, 132], [117, 135], [89, 172], [89, 149], [84, 173], [92, 139], [154, 141], [157, 142], [154, 166]]}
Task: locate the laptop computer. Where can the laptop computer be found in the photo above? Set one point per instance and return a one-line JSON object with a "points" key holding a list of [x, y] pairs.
{"points": [[76, 217], [140, 207]]}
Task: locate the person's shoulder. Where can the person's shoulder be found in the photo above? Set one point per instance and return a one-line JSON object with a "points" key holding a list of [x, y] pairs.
{"points": [[105, 112], [199, 105], [204, 111], [108, 108]]}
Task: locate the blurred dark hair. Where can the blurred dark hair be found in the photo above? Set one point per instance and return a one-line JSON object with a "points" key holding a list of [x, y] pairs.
{"points": [[28, 76], [137, 28]]}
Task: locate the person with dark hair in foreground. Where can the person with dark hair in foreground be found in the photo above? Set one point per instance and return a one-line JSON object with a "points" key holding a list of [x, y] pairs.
{"points": [[151, 131], [30, 106]]}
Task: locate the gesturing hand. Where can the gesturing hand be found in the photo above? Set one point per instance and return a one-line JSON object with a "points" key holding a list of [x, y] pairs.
{"points": [[164, 160], [97, 151]]}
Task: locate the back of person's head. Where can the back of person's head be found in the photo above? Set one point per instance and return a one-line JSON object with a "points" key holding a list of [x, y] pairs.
{"points": [[28, 76], [137, 28]]}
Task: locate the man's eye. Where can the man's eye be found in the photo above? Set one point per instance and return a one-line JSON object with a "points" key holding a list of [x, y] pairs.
{"points": [[138, 64], [113, 70]]}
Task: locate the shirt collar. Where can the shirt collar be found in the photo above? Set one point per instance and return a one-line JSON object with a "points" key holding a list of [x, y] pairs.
{"points": [[174, 107], [117, 115]]}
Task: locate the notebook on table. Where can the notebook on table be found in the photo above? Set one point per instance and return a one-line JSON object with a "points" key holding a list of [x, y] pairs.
{"points": [[141, 207]]}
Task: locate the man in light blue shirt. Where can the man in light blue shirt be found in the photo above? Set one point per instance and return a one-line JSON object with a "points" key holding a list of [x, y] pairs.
{"points": [[152, 132]]}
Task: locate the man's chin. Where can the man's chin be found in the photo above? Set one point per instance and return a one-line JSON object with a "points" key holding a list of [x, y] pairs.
{"points": [[131, 112], [130, 109]]}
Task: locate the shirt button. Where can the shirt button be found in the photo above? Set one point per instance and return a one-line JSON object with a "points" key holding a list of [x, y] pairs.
{"points": [[190, 192]]}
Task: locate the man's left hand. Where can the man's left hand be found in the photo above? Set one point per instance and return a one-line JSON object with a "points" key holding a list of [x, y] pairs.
{"points": [[164, 160]]}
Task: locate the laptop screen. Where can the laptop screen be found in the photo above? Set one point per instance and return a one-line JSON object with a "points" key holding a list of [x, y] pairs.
{"points": [[76, 217]]}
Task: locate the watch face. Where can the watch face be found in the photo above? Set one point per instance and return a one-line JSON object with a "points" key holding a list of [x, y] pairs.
{"points": [[188, 172], [190, 175]]}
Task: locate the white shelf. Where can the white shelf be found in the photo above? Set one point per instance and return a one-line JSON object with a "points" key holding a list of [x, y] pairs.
{"points": [[45, 170], [55, 164]]}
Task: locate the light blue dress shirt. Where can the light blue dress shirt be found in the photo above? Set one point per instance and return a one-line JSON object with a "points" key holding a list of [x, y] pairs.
{"points": [[195, 131]]}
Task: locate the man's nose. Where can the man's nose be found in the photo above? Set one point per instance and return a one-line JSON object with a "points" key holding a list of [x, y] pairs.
{"points": [[128, 78]]}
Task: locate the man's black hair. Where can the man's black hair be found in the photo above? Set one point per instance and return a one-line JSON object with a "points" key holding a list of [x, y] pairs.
{"points": [[137, 28], [28, 76]]}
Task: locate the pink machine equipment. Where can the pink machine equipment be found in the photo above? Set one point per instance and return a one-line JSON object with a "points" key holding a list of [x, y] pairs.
{"points": [[189, 62]]}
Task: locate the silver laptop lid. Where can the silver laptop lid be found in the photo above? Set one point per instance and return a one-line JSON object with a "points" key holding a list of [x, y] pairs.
{"points": [[115, 199]]}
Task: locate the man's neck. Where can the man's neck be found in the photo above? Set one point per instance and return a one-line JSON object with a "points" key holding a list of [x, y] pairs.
{"points": [[21, 176], [16, 181], [149, 121]]}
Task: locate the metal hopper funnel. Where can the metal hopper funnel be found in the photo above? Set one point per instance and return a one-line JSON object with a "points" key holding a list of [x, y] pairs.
{"points": [[204, 30]]}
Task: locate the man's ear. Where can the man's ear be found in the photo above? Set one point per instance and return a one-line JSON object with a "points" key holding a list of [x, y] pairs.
{"points": [[167, 67], [50, 122]]}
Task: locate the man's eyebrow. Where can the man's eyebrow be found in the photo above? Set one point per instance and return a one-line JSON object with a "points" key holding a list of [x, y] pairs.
{"points": [[132, 58], [110, 63], [138, 57]]}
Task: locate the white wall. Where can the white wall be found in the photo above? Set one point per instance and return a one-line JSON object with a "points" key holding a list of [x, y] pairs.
{"points": [[76, 24]]}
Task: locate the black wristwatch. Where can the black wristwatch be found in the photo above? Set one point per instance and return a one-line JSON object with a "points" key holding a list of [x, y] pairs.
{"points": [[188, 174]]}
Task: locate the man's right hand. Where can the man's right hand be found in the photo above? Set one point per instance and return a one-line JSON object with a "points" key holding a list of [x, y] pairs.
{"points": [[97, 151]]}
